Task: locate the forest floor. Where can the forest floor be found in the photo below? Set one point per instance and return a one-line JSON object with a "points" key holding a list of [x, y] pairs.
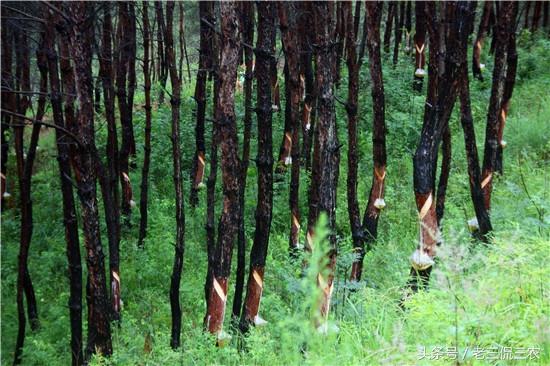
{"points": [[481, 297]]}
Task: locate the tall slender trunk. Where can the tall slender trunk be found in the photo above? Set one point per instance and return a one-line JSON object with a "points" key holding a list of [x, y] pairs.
{"points": [[505, 27], [326, 155], [306, 60], [376, 196], [231, 168], [455, 21], [161, 51], [131, 59], [147, 145], [392, 6], [408, 27], [419, 43], [108, 178], [178, 181], [69, 208], [353, 65], [183, 44], [80, 34], [123, 97], [247, 26], [24, 174], [205, 64], [265, 51], [478, 44], [398, 31], [288, 17]]}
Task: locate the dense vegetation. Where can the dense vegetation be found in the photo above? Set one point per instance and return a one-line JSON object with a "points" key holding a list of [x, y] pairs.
{"points": [[491, 294]]}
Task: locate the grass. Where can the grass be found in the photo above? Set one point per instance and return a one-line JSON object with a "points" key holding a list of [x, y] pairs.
{"points": [[485, 296]]}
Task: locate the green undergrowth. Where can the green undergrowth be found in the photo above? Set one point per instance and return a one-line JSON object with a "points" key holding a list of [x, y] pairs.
{"points": [[494, 295]]}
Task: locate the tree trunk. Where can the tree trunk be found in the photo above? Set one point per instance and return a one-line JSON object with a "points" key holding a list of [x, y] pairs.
{"points": [[24, 174], [398, 31], [231, 168], [419, 43], [353, 65], [392, 6], [147, 145], [376, 196], [456, 21], [478, 44], [205, 64], [178, 181], [288, 17], [536, 16], [125, 110], [265, 51], [326, 158], [505, 27], [81, 33], [69, 209], [247, 30], [161, 51]]}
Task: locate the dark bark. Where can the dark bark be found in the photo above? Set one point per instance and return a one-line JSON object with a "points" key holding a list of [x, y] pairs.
{"points": [[231, 167], [306, 60], [265, 50], [288, 22], [392, 6], [455, 20], [474, 172], [478, 44], [69, 209], [376, 196], [183, 44], [419, 43], [24, 175], [545, 15], [536, 16], [147, 145], [398, 31], [506, 98], [81, 34], [444, 174], [353, 155], [505, 27], [247, 29], [162, 68], [408, 27], [205, 64], [326, 155], [123, 97], [108, 177], [178, 180]]}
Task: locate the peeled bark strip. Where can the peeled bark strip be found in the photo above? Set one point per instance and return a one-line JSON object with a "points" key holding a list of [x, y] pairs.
{"points": [[265, 51], [147, 145], [326, 152], [205, 64], [231, 167], [69, 209], [81, 34], [247, 26], [478, 44], [419, 44], [288, 16], [505, 27], [178, 180]]}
